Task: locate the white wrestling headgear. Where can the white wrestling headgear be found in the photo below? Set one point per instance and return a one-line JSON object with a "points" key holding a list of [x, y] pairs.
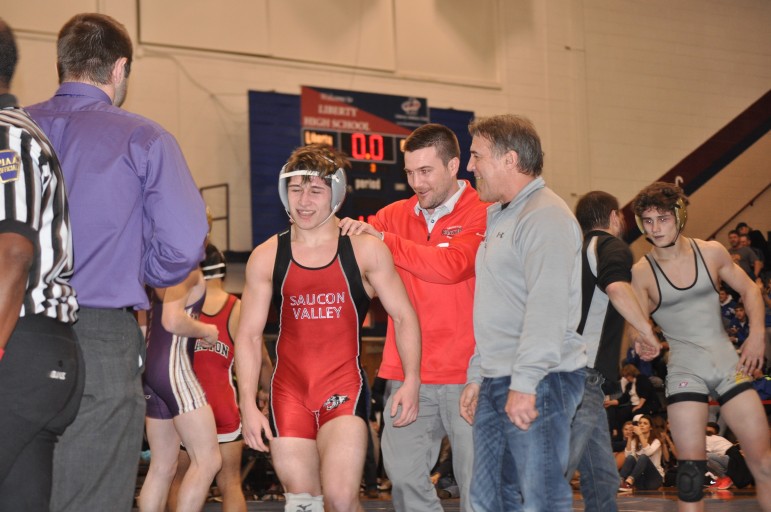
{"points": [[213, 271], [336, 181]]}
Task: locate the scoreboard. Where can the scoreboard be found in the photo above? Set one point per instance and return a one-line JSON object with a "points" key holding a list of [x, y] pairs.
{"points": [[370, 129]]}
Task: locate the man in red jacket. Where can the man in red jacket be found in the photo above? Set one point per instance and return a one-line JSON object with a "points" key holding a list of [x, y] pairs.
{"points": [[433, 236]]}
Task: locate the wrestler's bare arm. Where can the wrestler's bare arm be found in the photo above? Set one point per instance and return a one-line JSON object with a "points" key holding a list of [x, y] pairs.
{"points": [[377, 267], [720, 263], [174, 317], [255, 305]]}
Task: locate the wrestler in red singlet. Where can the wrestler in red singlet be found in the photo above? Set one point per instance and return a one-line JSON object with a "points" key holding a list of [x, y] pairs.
{"points": [[318, 374], [213, 367]]}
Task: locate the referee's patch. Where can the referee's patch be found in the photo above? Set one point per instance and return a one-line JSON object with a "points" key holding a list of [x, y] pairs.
{"points": [[10, 164]]}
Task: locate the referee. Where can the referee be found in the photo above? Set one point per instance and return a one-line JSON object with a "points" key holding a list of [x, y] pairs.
{"points": [[41, 369]]}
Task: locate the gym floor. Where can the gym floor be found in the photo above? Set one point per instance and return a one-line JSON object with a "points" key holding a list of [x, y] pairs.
{"points": [[738, 500]]}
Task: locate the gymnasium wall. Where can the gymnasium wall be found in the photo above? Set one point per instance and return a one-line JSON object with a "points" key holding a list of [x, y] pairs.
{"points": [[620, 90]]}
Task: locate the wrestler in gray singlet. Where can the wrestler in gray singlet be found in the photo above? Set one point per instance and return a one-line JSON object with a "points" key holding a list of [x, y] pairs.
{"points": [[702, 359]]}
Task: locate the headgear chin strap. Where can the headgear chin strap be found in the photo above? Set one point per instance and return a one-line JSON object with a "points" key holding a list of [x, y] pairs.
{"points": [[681, 216], [337, 183]]}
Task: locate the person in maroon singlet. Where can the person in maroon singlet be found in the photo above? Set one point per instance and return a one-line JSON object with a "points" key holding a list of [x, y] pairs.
{"points": [[213, 366], [177, 410]]}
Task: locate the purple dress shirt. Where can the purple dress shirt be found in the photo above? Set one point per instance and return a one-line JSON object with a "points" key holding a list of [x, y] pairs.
{"points": [[137, 215]]}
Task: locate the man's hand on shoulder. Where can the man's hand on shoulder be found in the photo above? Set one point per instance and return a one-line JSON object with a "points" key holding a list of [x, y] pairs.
{"points": [[349, 226]]}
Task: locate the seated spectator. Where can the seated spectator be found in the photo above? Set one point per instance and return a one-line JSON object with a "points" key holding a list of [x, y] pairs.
{"points": [[619, 445], [717, 459], [727, 307], [642, 467], [668, 450], [638, 397], [739, 327], [645, 367], [442, 476]]}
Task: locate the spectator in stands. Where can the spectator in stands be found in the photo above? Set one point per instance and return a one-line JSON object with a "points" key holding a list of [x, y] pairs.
{"points": [[743, 256], [717, 459], [668, 449], [757, 242], [619, 445], [739, 327], [762, 384], [442, 475], [744, 241], [642, 467], [646, 368], [727, 307]]}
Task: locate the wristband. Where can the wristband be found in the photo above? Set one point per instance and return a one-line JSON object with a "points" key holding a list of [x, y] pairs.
{"points": [[2, 351]]}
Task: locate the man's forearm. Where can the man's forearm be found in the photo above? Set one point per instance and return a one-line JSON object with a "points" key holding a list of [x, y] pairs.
{"points": [[16, 253]]}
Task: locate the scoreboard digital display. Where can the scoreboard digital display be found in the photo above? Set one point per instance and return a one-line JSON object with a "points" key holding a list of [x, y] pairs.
{"points": [[370, 129], [378, 148]]}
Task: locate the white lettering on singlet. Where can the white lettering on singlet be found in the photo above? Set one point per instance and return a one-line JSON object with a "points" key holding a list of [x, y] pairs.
{"points": [[326, 305], [218, 348]]}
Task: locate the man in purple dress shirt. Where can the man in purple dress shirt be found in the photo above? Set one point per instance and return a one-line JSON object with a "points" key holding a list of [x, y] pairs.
{"points": [[137, 219]]}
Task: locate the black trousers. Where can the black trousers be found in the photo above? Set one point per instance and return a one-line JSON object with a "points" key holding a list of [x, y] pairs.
{"points": [[41, 384]]}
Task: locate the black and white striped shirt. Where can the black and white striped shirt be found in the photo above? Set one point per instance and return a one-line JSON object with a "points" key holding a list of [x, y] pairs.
{"points": [[33, 204]]}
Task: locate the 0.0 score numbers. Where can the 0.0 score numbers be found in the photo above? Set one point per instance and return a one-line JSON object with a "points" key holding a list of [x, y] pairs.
{"points": [[370, 147], [367, 147]]}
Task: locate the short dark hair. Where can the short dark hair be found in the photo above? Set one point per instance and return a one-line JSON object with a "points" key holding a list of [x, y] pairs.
{"points": [[659, 195], [9, 54], [593, 210], [88, 46], [742, 225], [733, 232], [437, 136], [508, 132]]}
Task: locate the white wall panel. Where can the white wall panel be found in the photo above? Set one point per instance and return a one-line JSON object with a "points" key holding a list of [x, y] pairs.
{"points": [[619, 90], [43, 15], [239, 26], [355, 33], [448, 40]]}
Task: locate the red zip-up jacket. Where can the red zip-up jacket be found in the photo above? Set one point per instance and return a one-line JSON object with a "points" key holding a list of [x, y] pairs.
{"points": [[438, 273]]}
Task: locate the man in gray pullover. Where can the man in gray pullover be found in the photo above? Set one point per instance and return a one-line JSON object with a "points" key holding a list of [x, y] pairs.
{"points": [[526, 378]]}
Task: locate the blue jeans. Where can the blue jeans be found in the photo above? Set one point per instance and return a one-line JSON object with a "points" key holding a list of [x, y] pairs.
{"points": [[590, 449], [646, 476], [524, 469]]}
